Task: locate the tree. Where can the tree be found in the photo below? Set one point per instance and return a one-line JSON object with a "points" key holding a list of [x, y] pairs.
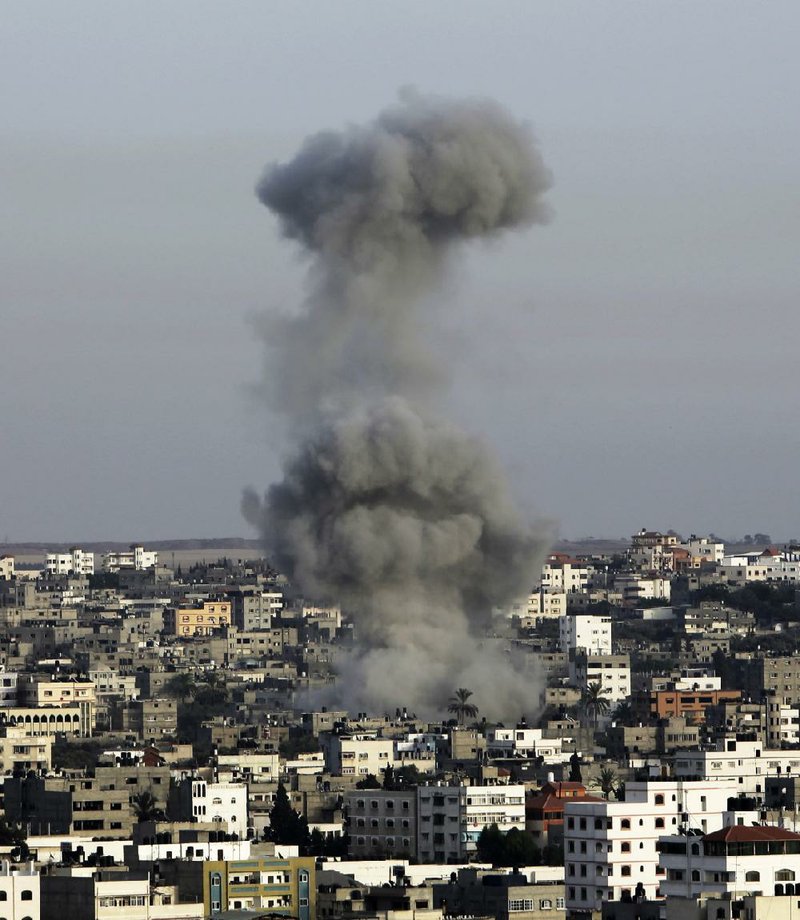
{"points": [[145, 807], [623, 712], [607, 780], [370, 781], [593, 701], [516, 848], [182, 686], [460, 706], [285, 824]]}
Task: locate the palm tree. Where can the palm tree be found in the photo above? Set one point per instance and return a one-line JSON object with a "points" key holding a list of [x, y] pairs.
{"points": [[623, 712], [182, 686], [460, 707], [145, 807], [607, 780], [593, 701]]}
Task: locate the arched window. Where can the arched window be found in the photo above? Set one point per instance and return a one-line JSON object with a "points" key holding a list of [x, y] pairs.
{"points": [[3, 895], [626, 870], [784, 875], [625, 824], [27, 895], [779, 889], [752, 876], [659, 799], [659, 822], [626, 847]]}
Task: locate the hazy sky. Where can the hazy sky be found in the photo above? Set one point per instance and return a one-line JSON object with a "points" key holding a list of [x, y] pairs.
{"points": [[634, 363]]}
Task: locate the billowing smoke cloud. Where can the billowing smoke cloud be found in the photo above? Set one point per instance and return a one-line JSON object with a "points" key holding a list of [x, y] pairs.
{"points": [[402, 518]]}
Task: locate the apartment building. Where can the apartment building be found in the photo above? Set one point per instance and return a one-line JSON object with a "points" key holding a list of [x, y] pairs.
{"points": [[20, 891], [20, 752], [586, 632], [610, 850], [7, 568], [282, 886], [357, 754], [224, 804], [450, 818], [692, 705], [202, 620], [734, 860], [46, 691], [381, 824], [137, 558], [524, 743], [560, 573], [612, 672], [74, 562]]}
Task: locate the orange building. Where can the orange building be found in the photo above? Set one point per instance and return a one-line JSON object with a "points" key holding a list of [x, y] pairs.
{"points": [[690, 704], [197, 621], [544, 812]]}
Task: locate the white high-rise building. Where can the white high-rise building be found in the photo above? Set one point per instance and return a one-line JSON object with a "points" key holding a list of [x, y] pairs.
{"points": [[586, 632], [610, 848], [137, 558]]}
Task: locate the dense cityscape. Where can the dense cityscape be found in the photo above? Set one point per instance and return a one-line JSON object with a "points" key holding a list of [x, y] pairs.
{"points": [[170, 749]]}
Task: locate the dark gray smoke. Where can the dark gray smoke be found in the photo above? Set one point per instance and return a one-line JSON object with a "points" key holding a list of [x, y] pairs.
{"points": [[403, 519]]}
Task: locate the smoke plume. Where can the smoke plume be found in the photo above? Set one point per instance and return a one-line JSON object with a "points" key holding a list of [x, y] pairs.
{"points": [[400, 517]]}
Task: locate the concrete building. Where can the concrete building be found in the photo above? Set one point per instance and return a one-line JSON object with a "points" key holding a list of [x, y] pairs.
{"points": [[610, 847], [483, 893], [281, 886], [7, 568], [381, 824], [612, 672], [20, 891], [75, 562], [450, 818], [734, 860], [202, 620], [20, 752], [586, 632], [151, 720], [137, 558], [41, 691], [357, 754], [225, 804]]}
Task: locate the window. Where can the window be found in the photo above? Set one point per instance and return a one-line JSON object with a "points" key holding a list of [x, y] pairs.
{"points": [[27, 894], [626, 847], [659, 799], [625, 824], [625, 870], [752, 877], [659, 822]]}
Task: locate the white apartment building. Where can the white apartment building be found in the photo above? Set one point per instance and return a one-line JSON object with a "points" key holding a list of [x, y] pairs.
{"points": [[20, 891], [564, 575], [6, 568], [137, 558], [587, 632], [737, 860], [75, 562], [223, 803], [21, 751], [450, 818], [33, 690], [745, 763], [782, 724], [358, 754], [612, 672], [548, 604], [524, 743], [610, 847], [630, 588]]}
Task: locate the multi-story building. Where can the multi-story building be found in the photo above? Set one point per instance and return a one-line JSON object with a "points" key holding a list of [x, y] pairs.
{"points": [[737, 860], [612, 672], [450, 818], [202, 620], [523, 743], [224, 804], [20, 891], [75, 562], [20, 752], [610, 849], [46, 691], [7, 570], [280, 886], [358, 754], [745, 763], [151, 720], [691, 705], [254, 608], [586, 632], [46, 720], [137, 559], [8, 687], [381, 824]]}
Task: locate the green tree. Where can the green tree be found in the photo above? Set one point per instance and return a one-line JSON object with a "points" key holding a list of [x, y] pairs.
{"points": [[516, 848], [607, 780], [145, 807], [181, 686], [285, 824], [460, 706], [370, 781], [623, 712], [593, 703]]}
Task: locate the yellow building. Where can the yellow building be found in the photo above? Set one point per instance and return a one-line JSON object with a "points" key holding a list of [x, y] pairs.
{"points": [[285, 886], [197, 621]]}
